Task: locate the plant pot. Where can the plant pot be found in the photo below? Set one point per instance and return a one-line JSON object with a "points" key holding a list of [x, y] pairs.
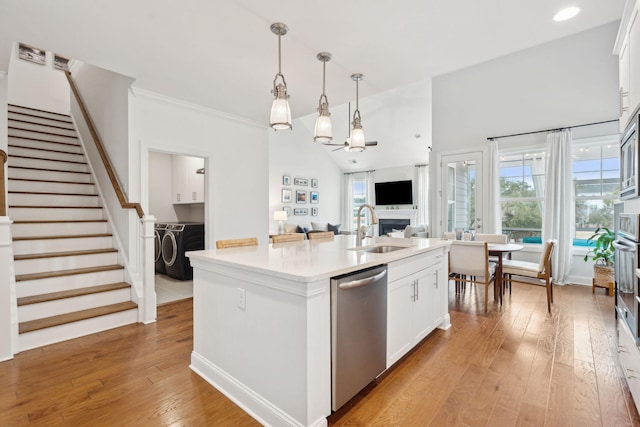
{"points": [[603, 277]]}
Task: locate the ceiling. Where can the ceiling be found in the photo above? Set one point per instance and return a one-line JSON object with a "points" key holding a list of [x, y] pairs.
{"points": [[221, 54]]}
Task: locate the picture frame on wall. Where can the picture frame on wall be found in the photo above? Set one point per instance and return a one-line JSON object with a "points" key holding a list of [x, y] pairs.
{"points": [[32, 54], [301, 196], [300, 211], [286, 195], [287, 210], [301, 181], [314, 196], [286, 180], [60, 62], [314, 211], [314, 183]]}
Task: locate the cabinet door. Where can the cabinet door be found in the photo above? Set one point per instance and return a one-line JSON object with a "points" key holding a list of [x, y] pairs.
{"points": [[623, 70], [196, 180], [400, 294], [422, 308], [179, 183], [633, 49]]}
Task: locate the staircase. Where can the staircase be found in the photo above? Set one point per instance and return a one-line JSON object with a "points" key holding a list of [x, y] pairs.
{"points": [[68, 279]]}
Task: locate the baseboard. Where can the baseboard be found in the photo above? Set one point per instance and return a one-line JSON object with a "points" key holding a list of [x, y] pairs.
{"points": [[251, 402]]}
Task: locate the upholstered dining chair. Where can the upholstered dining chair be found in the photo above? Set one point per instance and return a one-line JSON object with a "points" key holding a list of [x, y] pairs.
{"points": [[540, 272], [449, 235], [292, 237], [469, 263], [494, 238], [235, 243]]}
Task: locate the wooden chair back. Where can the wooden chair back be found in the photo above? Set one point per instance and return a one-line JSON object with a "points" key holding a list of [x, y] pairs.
{"points": [[293, 237], [321, 235], [544, 267], [235, 243]]}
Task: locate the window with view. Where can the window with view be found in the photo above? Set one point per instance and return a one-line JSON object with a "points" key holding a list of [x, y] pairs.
{"points": [[359, 192]]}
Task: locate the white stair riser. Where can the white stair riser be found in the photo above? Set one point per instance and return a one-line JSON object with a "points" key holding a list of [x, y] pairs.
{"points": [[42, 136], [30, 214], [51, 187], [28, 143], [25, 173], [42, 128], [24, 247], [42, 265], [57, 229], [68, 331], [19, 199], [67, 305], [29, 117], [47, 164], [18, 109], [28, 288], [54, 155]]}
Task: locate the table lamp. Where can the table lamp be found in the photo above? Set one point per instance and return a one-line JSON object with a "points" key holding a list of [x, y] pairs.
{"points": [[280, 216]]}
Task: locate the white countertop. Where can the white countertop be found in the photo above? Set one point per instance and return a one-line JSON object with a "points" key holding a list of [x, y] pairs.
{"points": [[312, 260]]}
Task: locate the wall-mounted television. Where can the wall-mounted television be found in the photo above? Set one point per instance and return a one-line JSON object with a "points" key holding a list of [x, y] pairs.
{"points": [[394, 193]]}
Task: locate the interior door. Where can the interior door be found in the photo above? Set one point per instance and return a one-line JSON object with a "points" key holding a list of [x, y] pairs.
{"points": [[461, 192]]}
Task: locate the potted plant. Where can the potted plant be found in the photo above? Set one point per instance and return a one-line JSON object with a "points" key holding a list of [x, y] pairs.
{"points": [[602, 253]]}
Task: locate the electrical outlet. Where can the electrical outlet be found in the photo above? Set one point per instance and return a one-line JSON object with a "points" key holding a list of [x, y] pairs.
{"points": [[241, 299]]}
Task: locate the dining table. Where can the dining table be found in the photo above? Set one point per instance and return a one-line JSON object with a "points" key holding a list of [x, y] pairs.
{"points": [[499, 250]]}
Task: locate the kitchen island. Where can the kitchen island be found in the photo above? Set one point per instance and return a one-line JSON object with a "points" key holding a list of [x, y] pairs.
{"points": [[262, 321]]}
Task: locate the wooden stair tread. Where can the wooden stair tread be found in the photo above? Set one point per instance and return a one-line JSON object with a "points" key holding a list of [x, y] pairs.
{"points": [[52, 194], [22, 113], [61, 221], [36, 109], [41, 131], [30, 138], [49, 150], [47, 322], [40, 124], [51, 181], [63, 236], [46, 159], [53, 207], [60, 273], [63, 254], [48, 169], [53, 296]]}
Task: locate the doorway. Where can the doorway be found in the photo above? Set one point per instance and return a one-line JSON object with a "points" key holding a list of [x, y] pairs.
{"points": [[461, 194]]}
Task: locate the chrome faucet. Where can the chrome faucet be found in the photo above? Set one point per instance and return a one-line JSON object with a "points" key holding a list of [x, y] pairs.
{"points": [[374, 220]]}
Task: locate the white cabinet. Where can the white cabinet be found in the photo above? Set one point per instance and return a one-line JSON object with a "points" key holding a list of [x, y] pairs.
{"points": [[629, 65], [634, 61], [623, 70], [187, 184], [415, 303], [629, 359]]}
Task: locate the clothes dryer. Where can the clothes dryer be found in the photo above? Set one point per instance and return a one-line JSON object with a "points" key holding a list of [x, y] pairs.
{"points": [[178, 239], [160, 229]]}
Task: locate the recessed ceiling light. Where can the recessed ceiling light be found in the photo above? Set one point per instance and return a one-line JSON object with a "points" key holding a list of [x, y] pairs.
{"points": [[566, 13]]}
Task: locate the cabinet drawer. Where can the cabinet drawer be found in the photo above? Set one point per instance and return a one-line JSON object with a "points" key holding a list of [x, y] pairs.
{"points": [[629, 355], [404, 267]]}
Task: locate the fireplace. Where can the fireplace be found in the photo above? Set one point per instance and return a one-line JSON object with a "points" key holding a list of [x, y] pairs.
{"points": [[387, 225]]}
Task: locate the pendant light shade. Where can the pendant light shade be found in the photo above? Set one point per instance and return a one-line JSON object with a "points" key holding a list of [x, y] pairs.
{"points": [[280, 111], [356, 140], [323, 131]]}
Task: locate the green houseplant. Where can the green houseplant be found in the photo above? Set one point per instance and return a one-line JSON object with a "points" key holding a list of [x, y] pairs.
{"points": [[602, 253]]}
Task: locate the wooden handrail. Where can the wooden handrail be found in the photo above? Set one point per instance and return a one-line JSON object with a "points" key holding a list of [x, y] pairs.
{"points": [[103, 153], [3, 194]]}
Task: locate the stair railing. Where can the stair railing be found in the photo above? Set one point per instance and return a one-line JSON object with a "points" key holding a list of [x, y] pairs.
{"points": [[3, 192], [124, 203]]}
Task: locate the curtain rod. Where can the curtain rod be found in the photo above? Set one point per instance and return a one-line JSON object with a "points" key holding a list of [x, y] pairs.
{"points": [[550, 130], [352, 173]]}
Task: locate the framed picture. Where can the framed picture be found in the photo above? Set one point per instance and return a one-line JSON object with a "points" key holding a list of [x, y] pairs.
{"points": [[314, 211], [286, 195], [287, 210], [314, 196], [60, 62], [286, 180], [301, 181], [32, 54], [314, 183], [301, 211], [301, 196]]}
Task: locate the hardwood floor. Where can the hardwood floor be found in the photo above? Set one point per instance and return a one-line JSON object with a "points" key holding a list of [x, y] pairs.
{"points": [[510, 366]]}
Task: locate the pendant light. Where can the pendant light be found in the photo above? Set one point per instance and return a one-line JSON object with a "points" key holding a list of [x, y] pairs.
{"points": [[323, 132], [280, 110], [356, 142]]}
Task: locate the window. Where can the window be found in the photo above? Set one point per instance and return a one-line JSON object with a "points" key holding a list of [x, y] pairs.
{"points": [[522, 195], [359, 198], [596, 178]]}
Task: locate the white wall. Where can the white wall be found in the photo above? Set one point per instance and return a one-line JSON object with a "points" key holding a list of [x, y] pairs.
{"points": [[236, 154], [567, 82], [37, 86], [294, 153]]}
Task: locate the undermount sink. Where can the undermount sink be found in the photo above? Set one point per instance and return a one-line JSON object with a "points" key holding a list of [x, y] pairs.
{"points": [[382, 249]]}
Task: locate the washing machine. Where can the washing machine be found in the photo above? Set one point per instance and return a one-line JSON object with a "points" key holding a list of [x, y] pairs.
{"points": [[178, 239], [160, 229]]}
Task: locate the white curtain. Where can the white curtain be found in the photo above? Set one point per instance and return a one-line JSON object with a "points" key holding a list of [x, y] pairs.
{"points": [[538, 171], [558, 221], [494, 222], [347, 214], [370, 188], [422, 181]]}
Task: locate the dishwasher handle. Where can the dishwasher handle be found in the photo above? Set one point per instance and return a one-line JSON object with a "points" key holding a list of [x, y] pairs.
{"points": [[363, 282]]}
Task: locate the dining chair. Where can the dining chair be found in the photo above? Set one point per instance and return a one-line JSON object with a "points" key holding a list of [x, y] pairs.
{"points": [[540, 271], [449, 235], [321, 235], [292, 237], [492, 238], [469, 263], [235, 243]]}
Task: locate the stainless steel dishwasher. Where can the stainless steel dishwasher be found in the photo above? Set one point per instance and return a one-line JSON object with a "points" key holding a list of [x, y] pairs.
{"points": [[358, 331]]}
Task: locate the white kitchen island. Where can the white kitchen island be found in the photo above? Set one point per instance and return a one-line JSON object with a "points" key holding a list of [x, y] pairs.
{"points": [[262, 320]]}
